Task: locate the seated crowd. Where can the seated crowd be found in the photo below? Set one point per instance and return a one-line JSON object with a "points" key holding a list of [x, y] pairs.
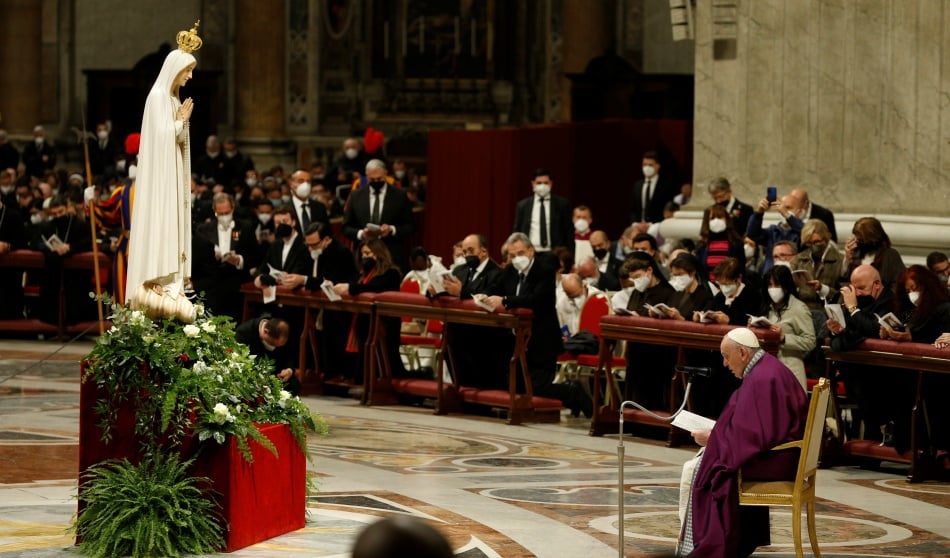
{"points": [[274, 229]]}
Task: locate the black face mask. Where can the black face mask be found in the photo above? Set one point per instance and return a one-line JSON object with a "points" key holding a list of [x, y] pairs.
{"points": [[377, 185], [600, 253], [724, 203], [368, 264], [283, 231], [472, 261], [864, 301], [61, 222]]}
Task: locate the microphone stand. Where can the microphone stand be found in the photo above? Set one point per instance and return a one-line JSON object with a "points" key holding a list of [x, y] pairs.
{"points": [[621, 451]]}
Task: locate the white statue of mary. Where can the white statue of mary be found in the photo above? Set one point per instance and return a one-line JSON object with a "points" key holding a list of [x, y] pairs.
{"points": [[160, 243]]}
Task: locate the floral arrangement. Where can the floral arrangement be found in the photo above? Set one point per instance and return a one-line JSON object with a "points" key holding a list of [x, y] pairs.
{"points": [[189, 379]]}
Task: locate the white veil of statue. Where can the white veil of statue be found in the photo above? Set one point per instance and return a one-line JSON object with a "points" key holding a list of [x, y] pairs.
{"points": [[160, 243]]}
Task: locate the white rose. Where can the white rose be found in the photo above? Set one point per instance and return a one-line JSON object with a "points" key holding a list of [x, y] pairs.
{"points": [[221, 413], [284, 396], [191, 330], [208, 327], [137, 317], [200, 367], [200, 309]]}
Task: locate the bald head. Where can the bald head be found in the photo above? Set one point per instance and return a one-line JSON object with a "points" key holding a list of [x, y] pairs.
{"points": [[572, 285], [599, 237], [866, 281], [587, 268]]}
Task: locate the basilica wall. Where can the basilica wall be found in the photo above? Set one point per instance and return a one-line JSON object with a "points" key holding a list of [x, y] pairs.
{"points": [[850, 100]]}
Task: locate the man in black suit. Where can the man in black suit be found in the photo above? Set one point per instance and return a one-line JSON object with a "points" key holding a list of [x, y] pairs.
{"points": [[474, 366], [382, 211], [529, 283], [815, 211], [266, 337], [210, 165], [721, 192], [102, 151], [39, 156], [651, 194], [544, 217], [224, 250], [306, 210], [287, 253]]}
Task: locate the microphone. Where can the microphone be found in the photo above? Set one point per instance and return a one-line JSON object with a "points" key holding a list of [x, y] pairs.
{"points": [[693, 371]]}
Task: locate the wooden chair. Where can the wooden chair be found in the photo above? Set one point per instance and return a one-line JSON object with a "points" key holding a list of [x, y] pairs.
{"points": [[802, 489]]}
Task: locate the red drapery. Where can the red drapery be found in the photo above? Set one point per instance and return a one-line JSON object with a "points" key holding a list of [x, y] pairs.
{"points": [[475, 178]]}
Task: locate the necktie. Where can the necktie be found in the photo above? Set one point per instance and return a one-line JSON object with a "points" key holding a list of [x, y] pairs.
{"points": [[646, 198], [520, 283], [544, 225], [306, 216], [374, 218]]}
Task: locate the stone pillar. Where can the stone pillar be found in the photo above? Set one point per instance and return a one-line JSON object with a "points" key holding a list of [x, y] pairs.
{"points": [[259, 66], [588, 29], [21, 90]]}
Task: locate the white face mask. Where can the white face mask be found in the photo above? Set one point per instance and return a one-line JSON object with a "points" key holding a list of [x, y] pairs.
{"points": [[7, 189], [285, 199], [542, 189], [641, 284], [521, 263], [460, 261], [749, 251], [103, 135], [729, 290], [400, 174], [681, 282], [776, 294], [303, 190], [914, 296], [648, 171], [315, 253], [251, 182], [38, 141], [224, 221], [36, 218], [781, 263], [717, 226], [581, 225], [351, 153], [264, 218]]}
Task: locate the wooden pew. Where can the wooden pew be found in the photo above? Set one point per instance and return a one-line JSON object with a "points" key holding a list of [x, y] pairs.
{"points": [[914, 358], [672, 333], [522, 407], [312, 381]]}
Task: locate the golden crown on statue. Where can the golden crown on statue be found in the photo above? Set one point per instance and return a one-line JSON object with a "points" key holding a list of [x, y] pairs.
{"points": [[189, 41]]}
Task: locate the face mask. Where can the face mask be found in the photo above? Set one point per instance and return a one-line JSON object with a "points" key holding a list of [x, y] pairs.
{"points": [[641, 284], [315, 253], [230, 154], [648, 171], [38, 141], [120, 165], [864, 301], [283, 231], [303, 190], [224, 221], [212, 154], [776, 294], [943, 279], [285, 199], [749, 251], [600, 253], [521, 263], [36, 218], [251, 182], [351, 153], [318, 176], [729, 290], [277, 202], [7, 189], [377, 185], [459, 261], [581, 225], [61, 222], [472, 261], [717, 226], [400, 174], [102, 134], [680, 282], [627, 250], [724, 203], [914, 296], [542, 189], [368, 264], [264, 218]]}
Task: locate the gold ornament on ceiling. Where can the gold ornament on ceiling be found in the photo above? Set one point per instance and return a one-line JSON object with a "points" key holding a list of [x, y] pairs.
{"points": [[189, 41]]}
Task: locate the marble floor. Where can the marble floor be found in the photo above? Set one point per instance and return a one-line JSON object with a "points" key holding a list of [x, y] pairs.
{"points": [[494, 490]]}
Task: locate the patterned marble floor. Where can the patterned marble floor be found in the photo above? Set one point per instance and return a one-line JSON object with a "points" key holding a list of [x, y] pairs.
{"points": [[494, 490]]}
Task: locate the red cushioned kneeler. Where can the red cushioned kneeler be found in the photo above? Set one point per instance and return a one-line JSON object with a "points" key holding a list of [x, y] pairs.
{"points": [[259, 500]]}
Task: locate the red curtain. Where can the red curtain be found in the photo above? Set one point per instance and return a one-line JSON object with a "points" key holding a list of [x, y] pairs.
{"points": [[475, 178]]}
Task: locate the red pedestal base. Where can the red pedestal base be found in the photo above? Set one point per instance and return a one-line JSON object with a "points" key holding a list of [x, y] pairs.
{"points": [[258, 500]]}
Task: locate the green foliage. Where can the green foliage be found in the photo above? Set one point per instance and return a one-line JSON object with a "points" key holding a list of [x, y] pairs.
{"points": [[151, 509]]}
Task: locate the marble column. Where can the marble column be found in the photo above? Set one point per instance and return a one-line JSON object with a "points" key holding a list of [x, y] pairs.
{"points": [[259, 69], [845, 99], [588, 30], [21, 90]]}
